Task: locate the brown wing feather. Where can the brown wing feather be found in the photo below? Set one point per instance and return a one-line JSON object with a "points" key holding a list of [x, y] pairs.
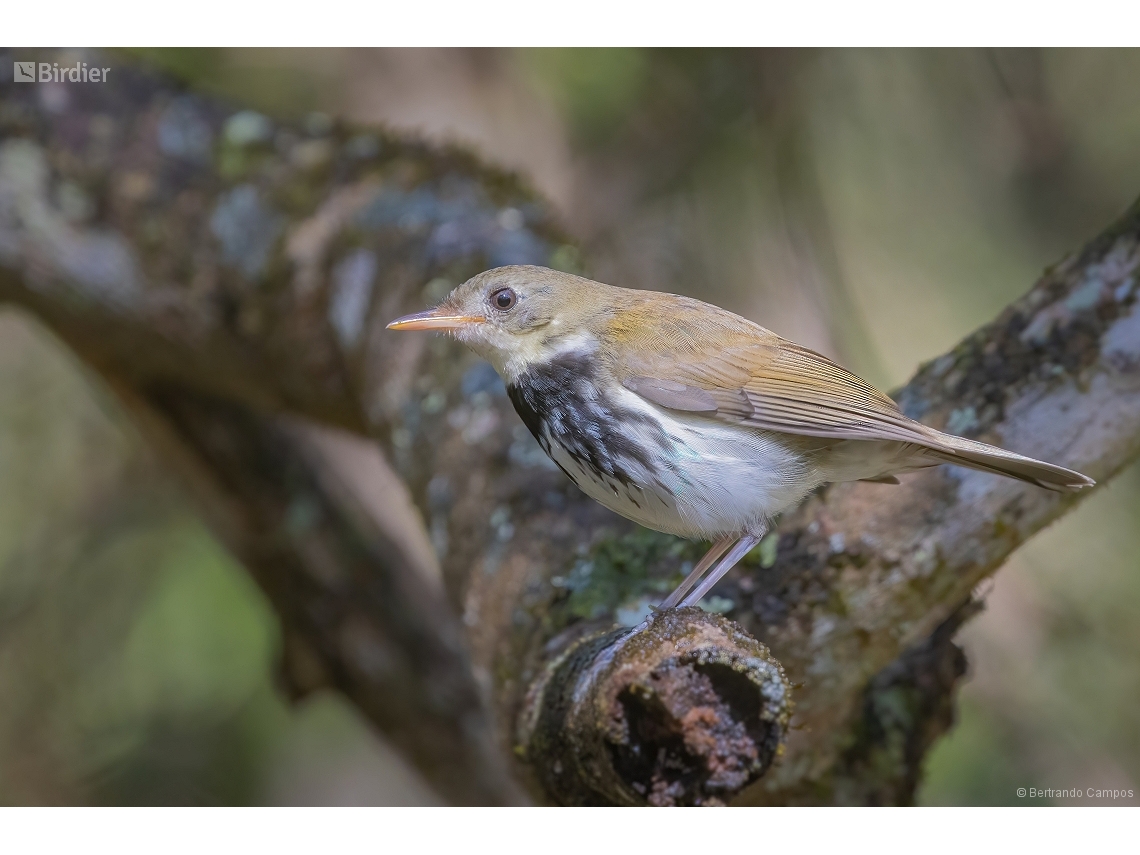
{"points": [[756, 378], [801, 391]]}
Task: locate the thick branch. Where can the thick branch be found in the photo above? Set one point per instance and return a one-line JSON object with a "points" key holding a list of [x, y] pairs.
{"points": [[357, 614], [170, 237], [216, 267], [683, 710]]}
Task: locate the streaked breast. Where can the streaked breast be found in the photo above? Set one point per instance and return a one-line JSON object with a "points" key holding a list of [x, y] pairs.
{"points": [[669, 471]]}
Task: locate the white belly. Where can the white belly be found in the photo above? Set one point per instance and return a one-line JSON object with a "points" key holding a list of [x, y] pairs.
{"points": [[709, 479]]}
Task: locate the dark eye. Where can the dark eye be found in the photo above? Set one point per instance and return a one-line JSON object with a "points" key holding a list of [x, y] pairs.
{"points": [[503, 299]]}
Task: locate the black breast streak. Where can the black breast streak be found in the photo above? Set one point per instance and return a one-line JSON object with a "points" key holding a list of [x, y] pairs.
{"points": [[559, 401]]}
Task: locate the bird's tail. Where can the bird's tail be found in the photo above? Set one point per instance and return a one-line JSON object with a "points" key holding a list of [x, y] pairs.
{"points": [[989, 458]]}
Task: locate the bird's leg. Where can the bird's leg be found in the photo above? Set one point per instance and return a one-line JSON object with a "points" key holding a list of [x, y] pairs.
{"points": [[715, 551], [738, 551]]}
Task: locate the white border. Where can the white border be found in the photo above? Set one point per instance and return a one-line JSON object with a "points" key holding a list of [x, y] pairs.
{"points": [[563, 831], [362, 23]]}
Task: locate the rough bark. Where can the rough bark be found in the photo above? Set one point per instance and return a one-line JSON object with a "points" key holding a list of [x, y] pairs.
{"points": [[220, 269], [684, 710], [355, 613]]}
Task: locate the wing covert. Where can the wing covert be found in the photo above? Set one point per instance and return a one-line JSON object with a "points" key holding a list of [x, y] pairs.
{"points": [[772, 384]]}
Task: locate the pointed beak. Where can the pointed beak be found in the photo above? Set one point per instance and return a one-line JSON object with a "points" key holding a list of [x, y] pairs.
{"points": [[434, 319]]}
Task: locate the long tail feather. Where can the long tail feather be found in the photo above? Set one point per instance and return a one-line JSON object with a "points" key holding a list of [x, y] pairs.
{"points": [[989, 458]]}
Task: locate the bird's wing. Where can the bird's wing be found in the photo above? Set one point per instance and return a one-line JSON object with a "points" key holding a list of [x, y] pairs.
{"points": [[803, 392], [695, 358], [754, 377]]}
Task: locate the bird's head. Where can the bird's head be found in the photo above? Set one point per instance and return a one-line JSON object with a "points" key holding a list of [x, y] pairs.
{"points": [[517, 316]]}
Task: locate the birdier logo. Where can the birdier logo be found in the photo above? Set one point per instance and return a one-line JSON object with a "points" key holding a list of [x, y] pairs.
{"points": [[52, 72]]}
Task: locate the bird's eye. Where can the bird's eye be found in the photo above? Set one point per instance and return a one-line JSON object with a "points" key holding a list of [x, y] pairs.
{"points": [[503, 299]]}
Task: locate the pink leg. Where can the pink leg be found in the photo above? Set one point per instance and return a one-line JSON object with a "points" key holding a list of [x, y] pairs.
{"points": [[715, 551], [742, 548]]}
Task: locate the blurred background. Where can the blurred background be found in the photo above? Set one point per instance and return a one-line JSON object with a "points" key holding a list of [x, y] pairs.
{"points": [[876, 205]]}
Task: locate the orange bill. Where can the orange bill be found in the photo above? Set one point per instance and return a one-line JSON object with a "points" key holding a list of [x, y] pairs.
{"points": [[434, 319]]}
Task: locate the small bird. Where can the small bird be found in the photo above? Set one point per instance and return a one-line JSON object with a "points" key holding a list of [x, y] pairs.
{"points": [[686, 418]]}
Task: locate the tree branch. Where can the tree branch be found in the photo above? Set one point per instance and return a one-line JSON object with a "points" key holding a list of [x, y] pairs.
{"points": [[679, 711], [357, 614], [217, 268]]}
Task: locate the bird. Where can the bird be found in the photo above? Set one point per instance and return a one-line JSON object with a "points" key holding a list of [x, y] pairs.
{"points": [[689, 419]]}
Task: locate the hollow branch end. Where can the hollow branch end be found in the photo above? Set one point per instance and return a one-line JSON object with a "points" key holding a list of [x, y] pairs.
{"points": [[685, 709]]}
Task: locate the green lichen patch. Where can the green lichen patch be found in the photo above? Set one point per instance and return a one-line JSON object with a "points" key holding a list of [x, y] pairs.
{"points": [[618, 572]]}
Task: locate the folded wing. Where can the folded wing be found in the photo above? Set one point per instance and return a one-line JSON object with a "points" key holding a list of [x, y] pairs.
{"points": [[757, 379]]}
